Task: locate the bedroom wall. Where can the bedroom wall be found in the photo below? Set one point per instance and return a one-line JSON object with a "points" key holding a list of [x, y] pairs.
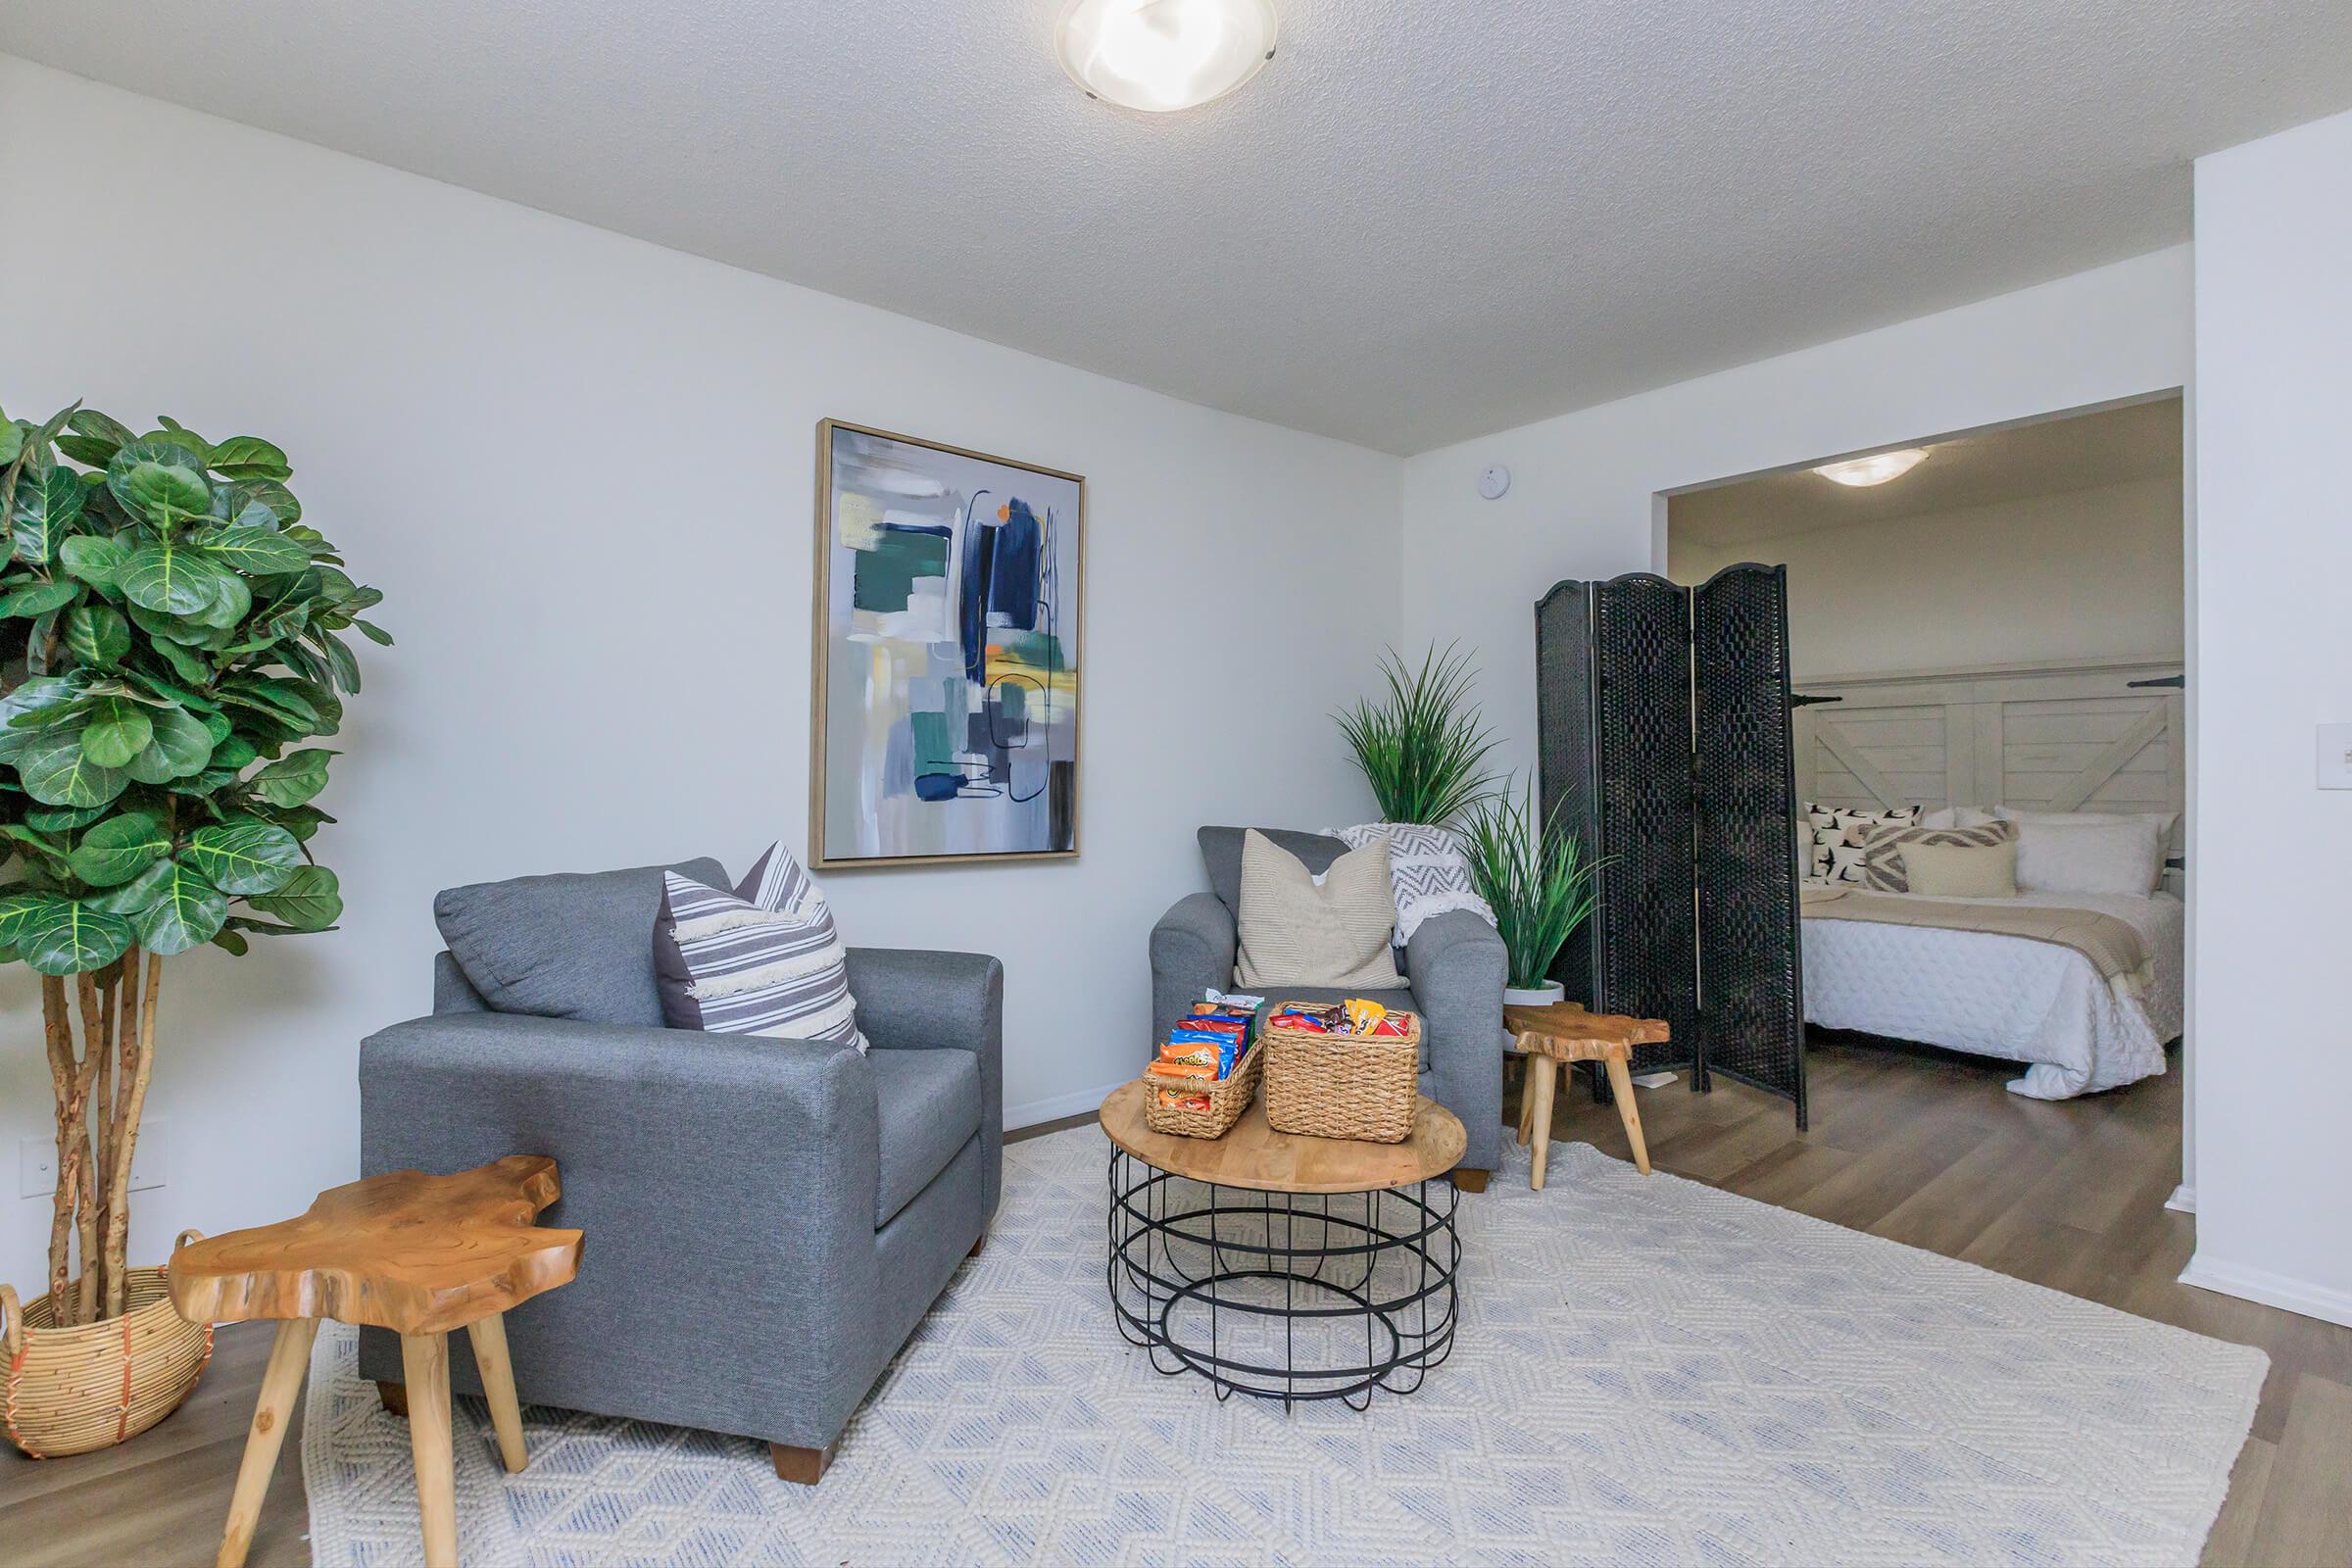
{"points": [[2084, 574], [580, 468], [1587, 494], [2273, 658]]}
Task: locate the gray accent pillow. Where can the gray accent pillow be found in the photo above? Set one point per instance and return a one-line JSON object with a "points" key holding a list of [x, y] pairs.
{"points": [[1221, 852], [1297, 931], [569, 946]]}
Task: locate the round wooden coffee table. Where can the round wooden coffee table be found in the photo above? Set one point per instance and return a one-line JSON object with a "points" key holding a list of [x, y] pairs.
{"points": [[1280, 1265]]}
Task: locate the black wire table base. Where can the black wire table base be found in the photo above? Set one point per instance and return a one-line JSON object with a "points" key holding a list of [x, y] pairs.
{"points": [[1289, 1297]]}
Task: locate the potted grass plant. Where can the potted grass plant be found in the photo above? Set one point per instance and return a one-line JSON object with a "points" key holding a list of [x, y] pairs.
{"points": [[1422, 745], [1534, 875], [171, 636]]}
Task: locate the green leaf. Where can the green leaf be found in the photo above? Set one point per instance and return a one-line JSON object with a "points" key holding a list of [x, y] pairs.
{"points": [[256, 503], [12, 439], [64, 819], [186, 665], [140, 892], [182, 745], [18, 909], [255, 551], [243, 856], [300, 820], [50, 850], [56, 771], [295, 778], [373, 633], [118, 731], [230, 942], [97, 634], [160, 479], [230, 597], [39, 599], [233, 753], [310, 900], [70, 938], [270, 695], [188, 913], [120, 847], [43, 512], [95, 433], [169, 579], [248, 456], [95, 557]]}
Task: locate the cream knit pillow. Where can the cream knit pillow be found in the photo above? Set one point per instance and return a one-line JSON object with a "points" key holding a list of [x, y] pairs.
{"points": [[1296, 932]]}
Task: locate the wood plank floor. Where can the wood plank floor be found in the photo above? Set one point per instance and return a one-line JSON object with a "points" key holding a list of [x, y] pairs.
{"points": [[1920, 1147]]}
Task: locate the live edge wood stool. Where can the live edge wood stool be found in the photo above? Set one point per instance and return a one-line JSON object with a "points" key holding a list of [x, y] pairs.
{"points": [[415, 1254], [1553, 1037]]}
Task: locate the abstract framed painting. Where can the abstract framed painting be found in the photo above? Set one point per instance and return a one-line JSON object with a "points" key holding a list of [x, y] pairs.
{"points": [[949, 621]]}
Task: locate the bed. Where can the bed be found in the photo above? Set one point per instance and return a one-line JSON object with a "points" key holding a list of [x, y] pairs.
{"points": [[2096, 738]]}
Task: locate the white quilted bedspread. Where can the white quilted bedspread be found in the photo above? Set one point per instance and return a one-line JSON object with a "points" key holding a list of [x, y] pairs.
{"points": [[1995, 996]]}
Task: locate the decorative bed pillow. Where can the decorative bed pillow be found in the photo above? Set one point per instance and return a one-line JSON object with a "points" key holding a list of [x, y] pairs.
{"points": [[1955, 817], [1299, 930], [1883, 865], [1961, 870], [764, 959], [1427, 873], [2059, 855]]}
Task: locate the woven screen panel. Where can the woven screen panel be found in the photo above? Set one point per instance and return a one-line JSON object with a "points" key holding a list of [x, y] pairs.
{"points": [[1751, 1004], [1642, 662]]}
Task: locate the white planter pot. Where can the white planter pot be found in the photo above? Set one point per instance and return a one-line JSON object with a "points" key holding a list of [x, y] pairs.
{"points": [[1543, 995]]}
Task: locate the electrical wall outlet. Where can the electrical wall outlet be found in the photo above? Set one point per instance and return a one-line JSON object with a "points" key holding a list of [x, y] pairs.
{"points": [[150, 1163]]}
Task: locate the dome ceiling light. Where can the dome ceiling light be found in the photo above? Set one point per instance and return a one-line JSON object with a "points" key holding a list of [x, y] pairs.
{"points": [[1164, 55], [1877, 469]]}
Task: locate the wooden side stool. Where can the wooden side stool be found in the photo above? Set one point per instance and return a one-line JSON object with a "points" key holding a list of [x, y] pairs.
{"points": [[415, 1253], [1563, 1032]]}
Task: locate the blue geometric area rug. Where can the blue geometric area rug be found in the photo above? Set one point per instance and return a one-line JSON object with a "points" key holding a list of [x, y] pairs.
{"points": [[1645, 1370]]}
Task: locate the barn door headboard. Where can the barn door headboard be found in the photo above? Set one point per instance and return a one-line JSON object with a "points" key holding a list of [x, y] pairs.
{"points": [[2073, 737]]}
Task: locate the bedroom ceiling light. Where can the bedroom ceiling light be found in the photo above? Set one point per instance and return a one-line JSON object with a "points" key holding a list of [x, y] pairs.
{"points": [[1163, 55], [1877, 469]]}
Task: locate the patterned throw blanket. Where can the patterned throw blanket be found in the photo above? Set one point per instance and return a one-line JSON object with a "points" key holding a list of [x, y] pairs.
{"points": [[2118, 951], [1427, 872]]}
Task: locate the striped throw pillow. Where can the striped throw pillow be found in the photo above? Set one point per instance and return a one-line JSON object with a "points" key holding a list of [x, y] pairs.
{"points": [[764, 959], [1882, 863]]}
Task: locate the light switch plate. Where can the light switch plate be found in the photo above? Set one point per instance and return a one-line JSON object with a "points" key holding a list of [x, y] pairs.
{"points": [[36, 1168], [150, 1163], [2336, 757]]}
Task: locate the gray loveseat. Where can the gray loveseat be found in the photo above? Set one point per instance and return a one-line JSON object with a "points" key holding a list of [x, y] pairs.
{"points": [[1453, 969], [767, 1220]]}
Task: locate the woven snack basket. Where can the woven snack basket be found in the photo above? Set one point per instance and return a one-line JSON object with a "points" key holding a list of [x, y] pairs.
{"points": [[1228, 1097], [1364, 1087]]}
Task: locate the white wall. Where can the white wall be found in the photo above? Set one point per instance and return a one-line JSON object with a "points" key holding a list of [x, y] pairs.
{"points": [[580, 468], [2090, 573], [2272, 855], [1586, 497]]}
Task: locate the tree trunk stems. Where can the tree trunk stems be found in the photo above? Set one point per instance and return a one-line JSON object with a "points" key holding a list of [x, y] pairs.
{"points": [[131, 1099], [93, 1050], [57, 1028]]}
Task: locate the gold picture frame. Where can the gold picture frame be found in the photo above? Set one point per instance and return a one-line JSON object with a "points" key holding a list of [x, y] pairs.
{"points": [[977, 790]]}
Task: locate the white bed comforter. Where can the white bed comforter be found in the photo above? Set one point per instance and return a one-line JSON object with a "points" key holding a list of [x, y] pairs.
{"points": [[2007, 997]]}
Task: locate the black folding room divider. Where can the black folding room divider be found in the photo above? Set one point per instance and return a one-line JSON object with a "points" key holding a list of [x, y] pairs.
{"points": [[1664, 742]]}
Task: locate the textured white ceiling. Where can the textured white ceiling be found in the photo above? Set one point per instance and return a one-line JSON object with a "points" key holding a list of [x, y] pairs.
{"points": [[1423, 222], [2051, 456]]}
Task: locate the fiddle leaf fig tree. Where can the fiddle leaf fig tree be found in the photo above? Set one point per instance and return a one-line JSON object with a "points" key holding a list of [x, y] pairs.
{"points": [[172, 645]]}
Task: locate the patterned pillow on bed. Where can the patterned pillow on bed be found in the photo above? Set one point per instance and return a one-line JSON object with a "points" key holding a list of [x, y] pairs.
{"points": [[1839, 836], [1881, 864]]}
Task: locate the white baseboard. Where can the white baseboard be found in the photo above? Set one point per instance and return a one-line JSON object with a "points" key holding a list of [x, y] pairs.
{"points": [[2183, 1198], [1056, 1106], [2328, 1305]]}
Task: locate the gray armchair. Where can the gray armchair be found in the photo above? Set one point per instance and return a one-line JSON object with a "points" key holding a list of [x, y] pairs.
{"points": [[1453, 969], [767, 1219]]}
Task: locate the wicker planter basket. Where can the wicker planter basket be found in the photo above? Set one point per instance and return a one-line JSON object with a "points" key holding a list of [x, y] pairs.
{"points": [[1364, 1087], [1228, 1097], [71, 1390]]}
